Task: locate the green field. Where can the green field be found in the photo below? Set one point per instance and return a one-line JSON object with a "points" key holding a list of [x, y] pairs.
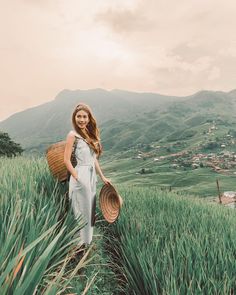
{"points": [[163, 243], [200, 182], [39, 248], [169, 244]]}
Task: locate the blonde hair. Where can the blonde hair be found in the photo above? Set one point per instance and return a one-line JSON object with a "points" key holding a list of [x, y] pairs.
{"points": [[93, 137]]}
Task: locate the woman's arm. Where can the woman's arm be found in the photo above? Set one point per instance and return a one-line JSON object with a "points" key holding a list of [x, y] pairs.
{"points": [[67, 154], [99, 171]]}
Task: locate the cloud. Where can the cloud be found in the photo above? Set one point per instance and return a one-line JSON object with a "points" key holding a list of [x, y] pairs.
{"points": [[190, 52], [165, 46], [124, 20], [229, 51], [177, 44], [214, 73]]}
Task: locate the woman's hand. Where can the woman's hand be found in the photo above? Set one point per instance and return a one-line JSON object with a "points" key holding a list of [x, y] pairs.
{"points": [[75, 177], [106, 180]]}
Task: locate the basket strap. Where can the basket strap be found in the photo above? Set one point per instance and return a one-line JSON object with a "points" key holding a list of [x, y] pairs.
{"points": [[73, 157], [80, 137]]}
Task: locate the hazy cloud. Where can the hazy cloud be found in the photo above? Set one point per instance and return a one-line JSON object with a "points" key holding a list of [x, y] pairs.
{"points": [[124, 20], [214, 73], [170, 47]]}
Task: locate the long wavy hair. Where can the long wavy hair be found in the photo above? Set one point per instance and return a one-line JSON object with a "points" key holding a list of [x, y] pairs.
{"points": [[93, 135]]}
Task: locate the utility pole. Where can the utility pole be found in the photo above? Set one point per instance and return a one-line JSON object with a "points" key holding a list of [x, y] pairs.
{"points": [[218, 188]]}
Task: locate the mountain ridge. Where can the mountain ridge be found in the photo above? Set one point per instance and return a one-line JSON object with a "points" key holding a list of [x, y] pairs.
{"points": [[119, 110]]}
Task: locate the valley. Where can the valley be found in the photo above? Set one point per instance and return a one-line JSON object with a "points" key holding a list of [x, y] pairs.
{"points": [[182, 143]]}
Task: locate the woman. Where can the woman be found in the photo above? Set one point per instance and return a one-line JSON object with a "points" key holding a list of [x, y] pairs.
{"points": [[85, 141]]}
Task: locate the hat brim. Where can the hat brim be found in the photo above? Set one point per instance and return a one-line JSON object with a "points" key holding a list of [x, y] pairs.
{"points": [[110, 203]]}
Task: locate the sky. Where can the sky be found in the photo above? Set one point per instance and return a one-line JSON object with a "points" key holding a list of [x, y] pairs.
{"points": [[163, 46]]}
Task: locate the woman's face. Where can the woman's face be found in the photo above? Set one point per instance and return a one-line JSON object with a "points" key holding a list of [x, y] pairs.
{"points": [[81, 119]]}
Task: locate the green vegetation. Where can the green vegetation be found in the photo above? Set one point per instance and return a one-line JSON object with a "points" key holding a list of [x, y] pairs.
{"points": [[169, 244], [131, 118], [40, 248], [163, 243], [199, 182], [8, 147]]}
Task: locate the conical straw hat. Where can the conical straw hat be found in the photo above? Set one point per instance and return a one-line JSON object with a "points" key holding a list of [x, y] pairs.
{"points": [[110, 203]]}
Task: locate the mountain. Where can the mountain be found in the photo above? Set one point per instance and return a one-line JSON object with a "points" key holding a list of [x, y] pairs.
{"points": [[185, 118], [125, 118], [38, 127]]}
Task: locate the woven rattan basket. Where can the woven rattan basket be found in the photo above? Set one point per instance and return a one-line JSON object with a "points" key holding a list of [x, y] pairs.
{"points": [[110, 203], [55, 158]]}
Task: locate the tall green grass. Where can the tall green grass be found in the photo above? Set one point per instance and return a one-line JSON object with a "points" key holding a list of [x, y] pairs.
{"points": [[38, 239], [163, 243], [169, 244]]}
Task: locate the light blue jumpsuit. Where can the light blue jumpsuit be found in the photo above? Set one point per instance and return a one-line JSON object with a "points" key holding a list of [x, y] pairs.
{"points": [[82, 193]]}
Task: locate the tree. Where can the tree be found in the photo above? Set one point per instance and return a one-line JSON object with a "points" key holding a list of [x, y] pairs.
{"points": [[8, 147], [211, 145]]}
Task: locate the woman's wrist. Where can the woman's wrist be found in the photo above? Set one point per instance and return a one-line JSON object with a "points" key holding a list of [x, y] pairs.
{"points": [[76, 177], [106, 180]]}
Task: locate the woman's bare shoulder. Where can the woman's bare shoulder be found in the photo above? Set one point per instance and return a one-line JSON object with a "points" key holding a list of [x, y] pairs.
{"points": [[74, 133], [71, 133], [70, 136]]}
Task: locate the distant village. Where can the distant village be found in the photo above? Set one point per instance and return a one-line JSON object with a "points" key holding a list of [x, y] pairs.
{"points": [[215, 152], [222, 160]]}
